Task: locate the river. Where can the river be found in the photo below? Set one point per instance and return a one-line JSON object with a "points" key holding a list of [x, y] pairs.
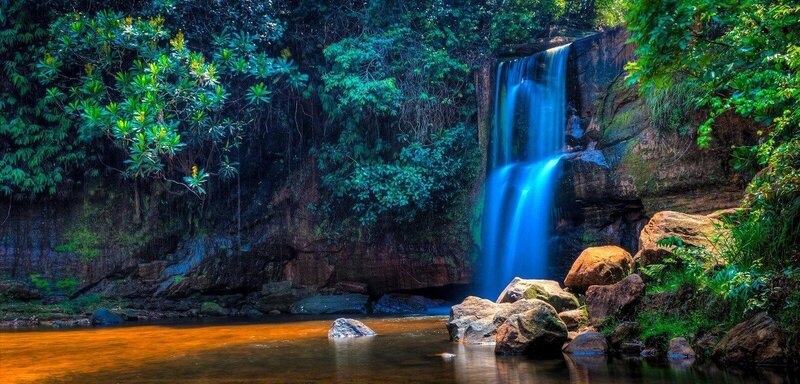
{"points": [[292, 350]]}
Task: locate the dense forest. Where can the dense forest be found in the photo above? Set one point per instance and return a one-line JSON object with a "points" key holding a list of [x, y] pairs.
{"points": [[186, 106]]}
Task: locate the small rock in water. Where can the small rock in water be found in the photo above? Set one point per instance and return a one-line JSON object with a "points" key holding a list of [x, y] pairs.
{"points": [[345, 328], [679, 348], [102, 316]]}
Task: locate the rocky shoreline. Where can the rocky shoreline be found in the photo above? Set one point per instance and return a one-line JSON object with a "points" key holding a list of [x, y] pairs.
{"points": [[596, 313]]}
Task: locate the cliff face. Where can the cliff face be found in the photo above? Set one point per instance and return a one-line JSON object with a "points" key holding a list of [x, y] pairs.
{"points": [[627, 163], [622, 167]]}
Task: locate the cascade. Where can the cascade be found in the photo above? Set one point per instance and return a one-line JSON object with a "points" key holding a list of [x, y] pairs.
{"points": [[526, 142]]}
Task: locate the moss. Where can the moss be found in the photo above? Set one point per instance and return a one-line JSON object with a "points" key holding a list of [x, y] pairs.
{"points": [[657, 324], [641, 171]]}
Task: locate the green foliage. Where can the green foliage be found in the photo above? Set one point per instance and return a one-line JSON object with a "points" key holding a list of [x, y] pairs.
{"points": [[83, 242], [68, 285], [737, 57], [39, 282], [38, 148], [166, 106], [420, 179], [659, 324]]}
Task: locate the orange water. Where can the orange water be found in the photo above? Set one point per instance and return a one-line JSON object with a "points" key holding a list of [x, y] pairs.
{"points": [[407, 350]]}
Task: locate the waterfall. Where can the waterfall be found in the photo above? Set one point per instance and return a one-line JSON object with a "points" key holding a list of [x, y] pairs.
{"points": [[527, 137]]}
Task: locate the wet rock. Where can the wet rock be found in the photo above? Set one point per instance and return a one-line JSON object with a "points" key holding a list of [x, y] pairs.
{"points": [[603, 301], [574, 319], [697, 230], [399, 303], [625, 332], [274, 312], [679, 348], [346, 328], [210, 308], [599, 266], [469, 311], [103, 316], [757, 341], [483, 330], [546, 290], [331, 304], [537, 332], [589, 343], [633, 348]]}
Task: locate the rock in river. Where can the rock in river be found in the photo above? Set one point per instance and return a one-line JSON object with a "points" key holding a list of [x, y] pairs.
{"points": [[546, 290], [346, 328], [102, 316], [536, 332], [679, 348], [588, 344]]}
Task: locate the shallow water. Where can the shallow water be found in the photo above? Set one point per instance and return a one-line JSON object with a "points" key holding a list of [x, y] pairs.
{"points": [[291, 351]]}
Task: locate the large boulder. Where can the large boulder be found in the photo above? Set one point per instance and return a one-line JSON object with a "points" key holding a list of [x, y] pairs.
{"points": [[537, 332], [757, 341], [469, 311], [103, 316], [479, 319], [588, 344], [347, 328], [399, 303], [546, 290], [603, 301], [331, 304], [697, 230], [599, 266]]}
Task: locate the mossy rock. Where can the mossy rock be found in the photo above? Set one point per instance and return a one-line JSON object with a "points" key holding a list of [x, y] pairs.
{"points": [[210, 308]]}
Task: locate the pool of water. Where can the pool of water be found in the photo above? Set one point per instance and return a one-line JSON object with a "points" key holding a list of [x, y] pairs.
{"points": [[407, 350]]}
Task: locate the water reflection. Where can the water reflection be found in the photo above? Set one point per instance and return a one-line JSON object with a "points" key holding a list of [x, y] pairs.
{"points": [[405, 351]]}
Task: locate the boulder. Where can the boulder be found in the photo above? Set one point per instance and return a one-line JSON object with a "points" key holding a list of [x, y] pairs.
{"points": [[546, 290], [697, 230], [469, 311], [536, 332], [331, 304], [603, 301], [210, 308], [574, 319], [757, 341], [346, 328], [475, 321], [399, 303], [679, 348], [599, 266], [625, 332], [103, 316], [589, 343]]}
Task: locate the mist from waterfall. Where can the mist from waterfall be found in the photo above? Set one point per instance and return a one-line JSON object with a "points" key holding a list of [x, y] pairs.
{"points": [[526, 141]]}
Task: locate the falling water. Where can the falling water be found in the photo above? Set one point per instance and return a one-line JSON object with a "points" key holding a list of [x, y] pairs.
{"points": [[527, 137]]}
